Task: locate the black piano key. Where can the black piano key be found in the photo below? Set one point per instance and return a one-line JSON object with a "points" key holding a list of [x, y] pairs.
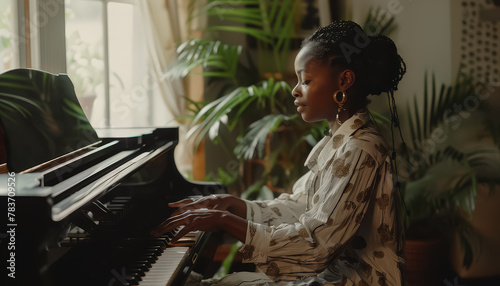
{"points": [[149, 258], [135, 271]]}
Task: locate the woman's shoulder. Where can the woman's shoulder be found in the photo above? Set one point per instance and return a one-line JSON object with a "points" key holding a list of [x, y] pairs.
{"points": [[368, 139]]}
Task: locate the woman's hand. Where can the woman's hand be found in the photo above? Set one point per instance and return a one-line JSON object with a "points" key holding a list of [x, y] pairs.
{"points": [[204, 220], [216, 202]]}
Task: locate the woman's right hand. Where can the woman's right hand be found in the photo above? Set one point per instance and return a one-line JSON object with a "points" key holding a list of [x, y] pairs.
{"points": [[217, 202]]}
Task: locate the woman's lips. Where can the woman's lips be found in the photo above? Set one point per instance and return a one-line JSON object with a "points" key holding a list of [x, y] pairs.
{"points": [[300, 106]]}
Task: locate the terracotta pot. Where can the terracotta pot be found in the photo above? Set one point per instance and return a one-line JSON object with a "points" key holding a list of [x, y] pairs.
{"points": [[426, 261]]}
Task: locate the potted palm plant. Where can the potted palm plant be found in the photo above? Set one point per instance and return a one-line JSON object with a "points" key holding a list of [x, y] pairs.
{"points": [[449, 156]]}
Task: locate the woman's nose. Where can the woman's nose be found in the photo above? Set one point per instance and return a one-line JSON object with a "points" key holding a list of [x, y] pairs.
{"points": [[295, 92]]}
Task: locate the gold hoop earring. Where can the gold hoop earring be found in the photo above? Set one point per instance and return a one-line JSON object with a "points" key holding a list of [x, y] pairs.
{"points": [[340, 98]]}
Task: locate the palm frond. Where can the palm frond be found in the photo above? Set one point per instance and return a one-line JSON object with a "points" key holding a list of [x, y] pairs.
{"points": [[210, 118], [417, 121], [212, 114], [484, 159], [437, 107], [222, 57], [254, 140], [254, 32]]}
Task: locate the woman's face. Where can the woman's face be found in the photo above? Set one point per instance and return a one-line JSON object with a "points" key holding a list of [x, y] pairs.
{"points": [[317, 83]]}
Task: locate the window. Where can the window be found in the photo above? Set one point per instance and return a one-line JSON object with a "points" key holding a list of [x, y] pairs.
{"points": [[107, 61], [100, 45], [8, 41]]}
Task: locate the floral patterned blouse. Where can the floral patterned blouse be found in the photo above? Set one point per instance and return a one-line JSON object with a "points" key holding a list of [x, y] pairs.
{"points": [[342, 220]]}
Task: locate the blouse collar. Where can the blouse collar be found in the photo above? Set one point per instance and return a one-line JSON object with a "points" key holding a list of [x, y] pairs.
{"points": [[323, 152]]}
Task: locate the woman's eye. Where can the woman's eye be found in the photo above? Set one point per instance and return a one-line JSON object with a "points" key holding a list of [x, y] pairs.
{"points": [[306, 82]]}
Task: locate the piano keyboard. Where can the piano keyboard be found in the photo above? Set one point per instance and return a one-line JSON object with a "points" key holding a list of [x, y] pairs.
{"points": [[165, 267], [131, 260]]}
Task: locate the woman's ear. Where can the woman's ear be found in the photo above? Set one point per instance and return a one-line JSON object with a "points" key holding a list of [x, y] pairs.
{"points": [[347, 78]]}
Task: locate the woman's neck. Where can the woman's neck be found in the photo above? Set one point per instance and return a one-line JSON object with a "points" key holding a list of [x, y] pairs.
{"points": [[344, 116]]}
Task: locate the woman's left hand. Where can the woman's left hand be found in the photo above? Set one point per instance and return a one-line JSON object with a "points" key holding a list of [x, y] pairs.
{"points": [[204, 220]]}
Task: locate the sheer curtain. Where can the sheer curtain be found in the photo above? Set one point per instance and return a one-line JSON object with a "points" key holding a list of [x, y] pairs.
{"points": [[165, 26]]}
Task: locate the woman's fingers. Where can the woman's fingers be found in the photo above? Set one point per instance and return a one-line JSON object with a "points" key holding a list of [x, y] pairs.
{"points": [[196, 221], [185, 230], [204, 220], [170, 224], [188, 207], [193, 204], [182, 203]]}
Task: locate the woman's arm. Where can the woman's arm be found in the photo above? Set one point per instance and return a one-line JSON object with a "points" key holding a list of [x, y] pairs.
{"points": [[221, 202]]}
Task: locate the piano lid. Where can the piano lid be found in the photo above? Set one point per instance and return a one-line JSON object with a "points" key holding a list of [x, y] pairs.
{"points": [[41, 117]]}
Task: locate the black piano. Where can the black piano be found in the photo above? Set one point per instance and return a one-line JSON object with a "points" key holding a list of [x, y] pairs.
{"points": [[78, 204]]}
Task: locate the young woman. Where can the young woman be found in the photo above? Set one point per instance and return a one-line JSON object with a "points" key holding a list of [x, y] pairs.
{"points": [[342, 224]]}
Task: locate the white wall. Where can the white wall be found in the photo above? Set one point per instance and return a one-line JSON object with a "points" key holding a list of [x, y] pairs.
{"points": [[423, 37]]}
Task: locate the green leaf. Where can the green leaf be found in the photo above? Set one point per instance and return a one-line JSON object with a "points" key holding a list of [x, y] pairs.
{"points": [[213, 112], [432, 112], [417, 120], [257, 33], [214, 54], [255, 139], [228, 261]]}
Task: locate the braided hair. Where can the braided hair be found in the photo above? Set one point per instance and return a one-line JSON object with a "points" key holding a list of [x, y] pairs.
{"points": [[374, 59]]}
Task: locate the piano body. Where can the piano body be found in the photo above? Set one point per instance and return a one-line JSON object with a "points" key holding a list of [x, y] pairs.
{"points": [[77, 206]]}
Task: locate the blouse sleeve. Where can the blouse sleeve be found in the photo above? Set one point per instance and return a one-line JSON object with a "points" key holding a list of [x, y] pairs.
{"points": [[286, 208], [338, 207]]}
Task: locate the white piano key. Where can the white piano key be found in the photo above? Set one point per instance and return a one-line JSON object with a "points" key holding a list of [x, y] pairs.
{"points": [[165, 267]]}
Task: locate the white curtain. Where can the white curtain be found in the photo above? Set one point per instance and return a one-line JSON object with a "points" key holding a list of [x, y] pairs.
{"points": [[165, 26]]}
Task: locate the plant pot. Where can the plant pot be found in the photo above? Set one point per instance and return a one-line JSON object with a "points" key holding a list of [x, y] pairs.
{"points": [[426, 261]]}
